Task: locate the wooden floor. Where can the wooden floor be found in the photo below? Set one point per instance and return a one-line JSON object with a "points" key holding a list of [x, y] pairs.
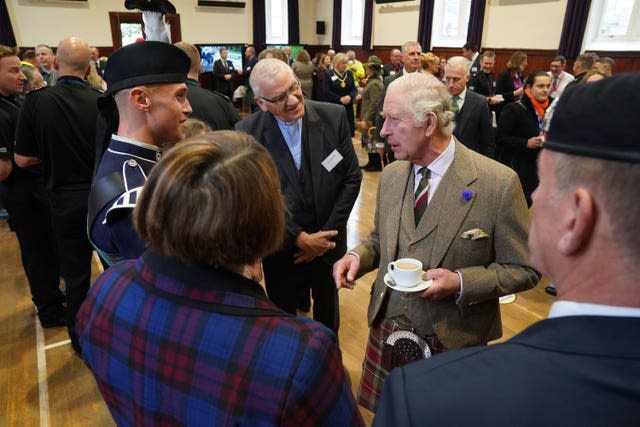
{"points": [[42, 383]]}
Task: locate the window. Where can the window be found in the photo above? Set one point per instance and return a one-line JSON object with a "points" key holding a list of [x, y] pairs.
{"points": [[352, 22], [450, 23], [613, 25], [130, 32], [277, 22]]}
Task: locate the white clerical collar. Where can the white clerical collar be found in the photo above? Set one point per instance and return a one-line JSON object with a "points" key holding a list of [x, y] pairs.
{"points": [[573, 308]]}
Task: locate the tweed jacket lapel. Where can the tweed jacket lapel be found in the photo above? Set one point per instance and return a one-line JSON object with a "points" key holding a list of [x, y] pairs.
{"points": [[399, 210], [276, 145], [448, 209]]}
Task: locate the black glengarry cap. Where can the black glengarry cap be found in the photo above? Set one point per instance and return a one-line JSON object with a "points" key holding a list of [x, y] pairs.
{"points": [[598, 120], [144, 63]]}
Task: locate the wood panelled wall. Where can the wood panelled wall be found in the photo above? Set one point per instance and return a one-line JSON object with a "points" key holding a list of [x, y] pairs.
{"points": [[538, 59]]}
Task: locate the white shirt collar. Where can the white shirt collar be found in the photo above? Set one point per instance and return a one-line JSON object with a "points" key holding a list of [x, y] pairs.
{"points": [[138, 143], [438, 168], [573, 308], [462, 95]]}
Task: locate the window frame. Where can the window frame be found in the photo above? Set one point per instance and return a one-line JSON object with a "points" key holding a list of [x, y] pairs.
{"points": [[593, 41], [270, 37], [352, 23], [438, 38]]}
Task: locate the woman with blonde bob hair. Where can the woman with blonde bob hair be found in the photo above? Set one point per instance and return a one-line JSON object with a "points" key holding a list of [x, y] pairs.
{"points": [[189, 321]]}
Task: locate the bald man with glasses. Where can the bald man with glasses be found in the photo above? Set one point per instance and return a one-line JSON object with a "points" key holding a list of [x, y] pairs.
{"points": [[311, 145]]}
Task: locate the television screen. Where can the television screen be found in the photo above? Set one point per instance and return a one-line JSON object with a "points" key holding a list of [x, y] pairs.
{"points": [[209, 53], [295, 48]]}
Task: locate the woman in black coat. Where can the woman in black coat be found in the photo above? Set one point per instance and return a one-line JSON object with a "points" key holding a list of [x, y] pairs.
{"points": [[340, 87], [520, 129], [510, 82]]}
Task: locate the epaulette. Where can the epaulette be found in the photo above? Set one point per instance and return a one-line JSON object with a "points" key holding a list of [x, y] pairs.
{"points": [[127, 200]]}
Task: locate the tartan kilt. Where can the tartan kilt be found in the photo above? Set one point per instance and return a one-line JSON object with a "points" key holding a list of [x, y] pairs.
{"points": [[373, 372]]}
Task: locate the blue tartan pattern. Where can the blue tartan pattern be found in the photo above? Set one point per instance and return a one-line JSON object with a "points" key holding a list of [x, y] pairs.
{"points": [[158, 361]]}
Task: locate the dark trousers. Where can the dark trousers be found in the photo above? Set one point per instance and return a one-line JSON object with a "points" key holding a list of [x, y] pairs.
{"points": [[29, 214], [283, 279], [69, 219]]}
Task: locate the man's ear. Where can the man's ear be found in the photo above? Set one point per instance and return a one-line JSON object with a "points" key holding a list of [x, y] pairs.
{"points": [[578, 222], [431, 124], [140, 98], [56, 65]]}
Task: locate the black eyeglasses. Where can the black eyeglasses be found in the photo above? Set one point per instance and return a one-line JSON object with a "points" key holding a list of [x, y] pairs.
{"points": [[283, 96]]}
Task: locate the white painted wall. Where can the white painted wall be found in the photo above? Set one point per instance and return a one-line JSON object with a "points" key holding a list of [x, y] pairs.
{"points": [[395, 23], [48, 21], [527, 24], [532, 24]]}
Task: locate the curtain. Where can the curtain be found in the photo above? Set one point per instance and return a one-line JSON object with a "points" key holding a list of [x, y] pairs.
{"points": [[368, 22], [294, 21], [575, 24], [425, 24], [7, 37], [476, 22], [336, 32], [259, 25]]}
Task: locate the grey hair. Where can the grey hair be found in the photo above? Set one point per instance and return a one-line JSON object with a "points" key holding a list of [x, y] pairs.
{"points": [[459, 61], [407, 45], [424, 94], [613, 184], [266, 70]]}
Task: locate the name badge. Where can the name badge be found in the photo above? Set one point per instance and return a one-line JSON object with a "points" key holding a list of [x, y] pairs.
{"points": [[392, 73], [332, 160], [334, 77]]}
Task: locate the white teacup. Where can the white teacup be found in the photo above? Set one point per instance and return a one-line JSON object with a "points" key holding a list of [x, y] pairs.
{"points": [[406, 272]]}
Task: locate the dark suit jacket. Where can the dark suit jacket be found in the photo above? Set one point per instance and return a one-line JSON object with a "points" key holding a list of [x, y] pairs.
{"points": [[379, 119], [388, 68], [491, 267], [480, 84], [473, 124], [224, 86], [566, 371], [211, 107], [475, 65], [324, 130]]}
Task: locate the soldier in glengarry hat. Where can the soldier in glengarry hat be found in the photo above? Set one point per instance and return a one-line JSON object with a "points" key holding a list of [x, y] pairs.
{"points": [[143, 110]]}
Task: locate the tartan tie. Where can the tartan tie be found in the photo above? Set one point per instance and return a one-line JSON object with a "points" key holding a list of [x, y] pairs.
{"points": [[454, 105], [422, 194]]}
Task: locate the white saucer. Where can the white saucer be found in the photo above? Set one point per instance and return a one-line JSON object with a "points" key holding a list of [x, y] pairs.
{"points": [[421, 286]]}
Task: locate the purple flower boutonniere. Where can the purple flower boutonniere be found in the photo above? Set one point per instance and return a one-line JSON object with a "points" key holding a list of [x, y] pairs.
{"points": [[467, 195]]}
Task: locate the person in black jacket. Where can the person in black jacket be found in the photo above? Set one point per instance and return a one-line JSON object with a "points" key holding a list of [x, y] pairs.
{"points": [[520, 129], [510, 81], [211, 107], [340, 87]]}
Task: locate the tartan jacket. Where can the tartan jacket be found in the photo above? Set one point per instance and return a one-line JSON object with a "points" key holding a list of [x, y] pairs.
{"points": [[171, 344]]}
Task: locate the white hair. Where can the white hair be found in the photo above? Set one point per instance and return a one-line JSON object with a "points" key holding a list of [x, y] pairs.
{"points": [[424, 94], [459, 61], [266, 70]]}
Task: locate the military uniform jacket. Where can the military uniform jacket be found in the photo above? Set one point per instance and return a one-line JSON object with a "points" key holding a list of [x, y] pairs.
{"points": [[112, 231]]}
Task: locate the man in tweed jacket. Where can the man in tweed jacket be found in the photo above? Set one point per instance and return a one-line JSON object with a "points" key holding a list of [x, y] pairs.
{"points": [[471, 239]]}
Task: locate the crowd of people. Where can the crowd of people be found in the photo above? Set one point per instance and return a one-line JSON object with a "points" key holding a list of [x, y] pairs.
{"points": [[191, 208]]}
